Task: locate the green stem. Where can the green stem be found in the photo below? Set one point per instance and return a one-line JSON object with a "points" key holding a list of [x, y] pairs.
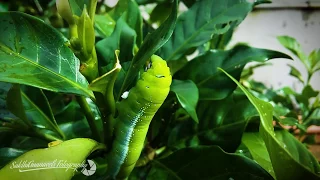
{"points": [[309, 77], [47, 137], [89, 68], [90, 118], [73, 30]]}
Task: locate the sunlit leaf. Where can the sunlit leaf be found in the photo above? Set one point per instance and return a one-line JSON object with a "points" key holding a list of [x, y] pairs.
{"points": [[290, 159], [35, 54], [79, 148], [197, 25]]}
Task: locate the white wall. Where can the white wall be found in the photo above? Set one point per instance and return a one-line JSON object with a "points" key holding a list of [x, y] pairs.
{"points": [[263, 25]]}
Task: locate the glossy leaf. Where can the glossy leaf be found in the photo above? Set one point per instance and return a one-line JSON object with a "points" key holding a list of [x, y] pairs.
{"points": [[204, 19], [7, 154], [33, 117], [102, 83], [188, 95], [38, 109], [104, 24], [79, 148], [290, 158], [212, 84], [208, 163], [150, 45], [296, 73], [122, 38], [221, 123], [36, 54], [258, 150]]}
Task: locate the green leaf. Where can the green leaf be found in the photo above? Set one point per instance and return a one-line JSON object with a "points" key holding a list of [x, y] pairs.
{"points": [[103, 83], [134, 19], [257, 2], [188, 95], [290, 159], [296, 73], [104, 25], [73, 122], [212, 84], [5, 114], [4, 7], [123, 38], [7, 154], [314, 59], [290, 121], [160, 13], [15, 104], [151, 44], [204, 19], [77, 6], [220, 41], [86, 34], [38, 110], [31, 114], [258, 150], [307, 93], [129, 10], [36, 54], [119, 9], [221, 123], [294, 46], [208, 163], [79, 148], [141, 2]]}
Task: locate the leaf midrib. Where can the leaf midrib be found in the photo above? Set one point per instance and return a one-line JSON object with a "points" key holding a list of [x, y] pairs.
{"points": [[8, 51]]}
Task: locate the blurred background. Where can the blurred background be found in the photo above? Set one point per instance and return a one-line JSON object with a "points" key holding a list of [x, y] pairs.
{"points": [[299, 19]]}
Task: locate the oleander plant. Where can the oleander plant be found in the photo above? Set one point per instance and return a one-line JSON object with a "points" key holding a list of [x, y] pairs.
{"points": [[145, 89]]}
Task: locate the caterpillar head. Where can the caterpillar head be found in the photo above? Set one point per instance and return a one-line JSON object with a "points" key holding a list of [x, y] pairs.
{"points": [[156, 81]]}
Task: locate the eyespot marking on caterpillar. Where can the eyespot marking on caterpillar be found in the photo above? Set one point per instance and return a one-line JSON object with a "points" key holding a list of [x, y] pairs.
{"points": [[160, 76]]}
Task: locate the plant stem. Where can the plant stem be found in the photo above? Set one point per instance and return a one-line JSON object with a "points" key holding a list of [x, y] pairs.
{"points": [[309, 77], [89, 68], [90, 118]]}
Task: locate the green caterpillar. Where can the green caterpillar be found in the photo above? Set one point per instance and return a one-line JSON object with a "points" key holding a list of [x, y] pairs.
{"points": [[135, 115]]}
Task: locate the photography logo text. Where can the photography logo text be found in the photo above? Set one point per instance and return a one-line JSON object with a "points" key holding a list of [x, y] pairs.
{"points": [[88, 167]]}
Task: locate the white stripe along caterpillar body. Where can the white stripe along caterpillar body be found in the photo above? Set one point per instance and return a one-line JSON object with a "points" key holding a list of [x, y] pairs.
{"points": [[134, 116]]}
